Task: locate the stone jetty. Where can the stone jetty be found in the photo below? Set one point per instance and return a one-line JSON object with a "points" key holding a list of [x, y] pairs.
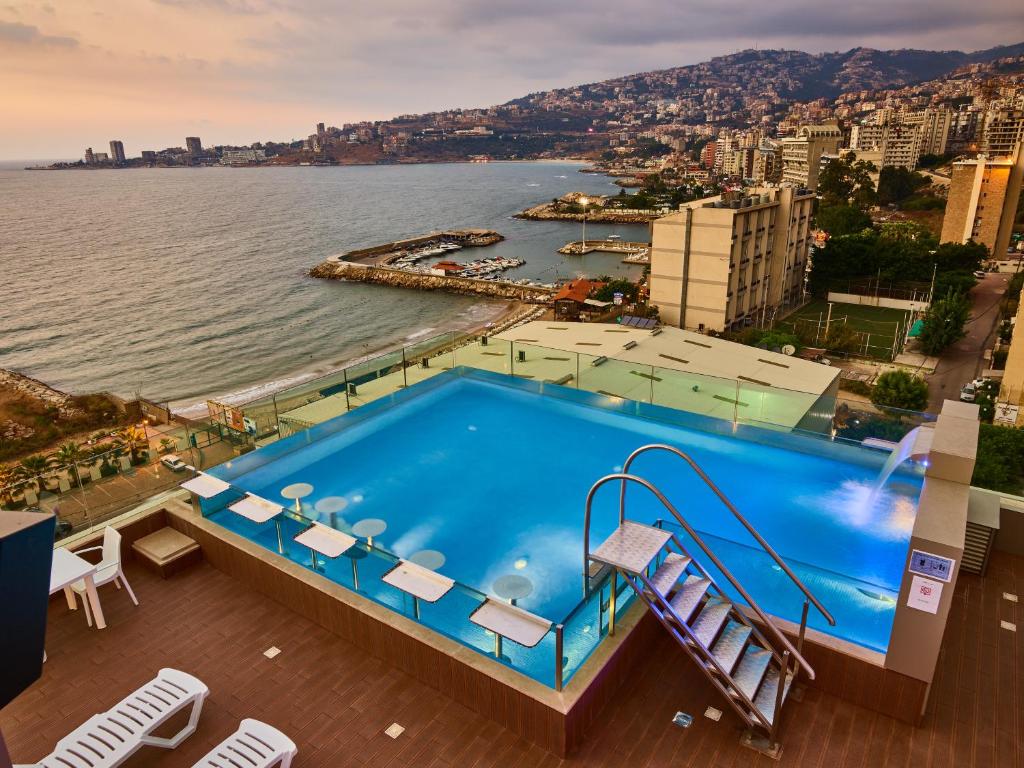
{"points": [[338, 269]]}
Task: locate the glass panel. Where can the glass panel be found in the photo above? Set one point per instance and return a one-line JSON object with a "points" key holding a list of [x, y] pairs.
{"points": [[772, 407], [616, 378], [551, 366], [372, 379], [486, 354]]}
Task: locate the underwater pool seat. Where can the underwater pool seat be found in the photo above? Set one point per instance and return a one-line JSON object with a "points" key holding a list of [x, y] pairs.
{"points": [[739, 648]]}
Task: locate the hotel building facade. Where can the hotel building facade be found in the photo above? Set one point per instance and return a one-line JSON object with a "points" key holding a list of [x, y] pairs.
{"points": [[726, 262]]}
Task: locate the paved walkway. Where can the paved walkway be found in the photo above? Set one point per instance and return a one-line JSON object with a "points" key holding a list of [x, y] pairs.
{"points": [[963, 361]]}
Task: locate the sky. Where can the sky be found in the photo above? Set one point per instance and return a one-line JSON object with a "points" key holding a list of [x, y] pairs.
{"points": [[77, 73]]}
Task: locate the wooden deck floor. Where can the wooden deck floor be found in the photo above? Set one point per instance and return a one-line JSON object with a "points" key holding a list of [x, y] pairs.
{"points": [[335, 701]]}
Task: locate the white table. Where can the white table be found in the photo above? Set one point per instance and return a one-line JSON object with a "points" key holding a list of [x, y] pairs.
{"points": [[68, 568]]}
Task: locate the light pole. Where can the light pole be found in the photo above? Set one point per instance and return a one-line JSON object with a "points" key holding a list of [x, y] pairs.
{"points": [[584, 202]]}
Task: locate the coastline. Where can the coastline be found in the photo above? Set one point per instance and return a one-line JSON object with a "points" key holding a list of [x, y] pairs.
{"points": [[501, 311], [75, 166]]}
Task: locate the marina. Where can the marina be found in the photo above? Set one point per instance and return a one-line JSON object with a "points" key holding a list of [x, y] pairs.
{"points": [[429, 263]]}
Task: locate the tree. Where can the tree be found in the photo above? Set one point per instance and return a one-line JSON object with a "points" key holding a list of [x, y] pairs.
{"points": [[842, 220], [899, 389], [625, 287], [1000, 459], [847, 180], [944, 322], [69, 455], [896, 184]]}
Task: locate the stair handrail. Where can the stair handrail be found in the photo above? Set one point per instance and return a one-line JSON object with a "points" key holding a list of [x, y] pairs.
{"points": [[731, 507], [775, 631]]}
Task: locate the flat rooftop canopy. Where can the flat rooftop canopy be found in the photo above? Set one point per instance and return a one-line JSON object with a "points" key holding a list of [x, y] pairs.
{"points": [[680, 350]]}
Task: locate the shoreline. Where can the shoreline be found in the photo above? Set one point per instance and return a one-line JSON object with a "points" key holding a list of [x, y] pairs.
{"points": [[503, 311], [75, 166]]}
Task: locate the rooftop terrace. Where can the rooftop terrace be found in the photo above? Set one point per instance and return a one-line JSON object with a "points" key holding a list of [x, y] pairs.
{"points": [[335, 700]]}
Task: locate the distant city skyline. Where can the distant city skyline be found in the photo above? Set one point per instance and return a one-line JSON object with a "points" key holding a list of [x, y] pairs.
{"points": [[151, 72]]}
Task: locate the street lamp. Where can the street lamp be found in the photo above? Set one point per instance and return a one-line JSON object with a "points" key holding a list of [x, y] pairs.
{"points": [[584, 201]]}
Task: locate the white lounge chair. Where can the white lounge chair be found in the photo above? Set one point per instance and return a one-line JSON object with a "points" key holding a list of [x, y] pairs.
{"points": [[253, 745], [108, 739], [109, 569]]}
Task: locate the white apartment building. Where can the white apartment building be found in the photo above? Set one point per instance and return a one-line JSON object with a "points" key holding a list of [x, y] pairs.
{"points": [[725, 263], [900, 145], [801, 154], [935, 124]]}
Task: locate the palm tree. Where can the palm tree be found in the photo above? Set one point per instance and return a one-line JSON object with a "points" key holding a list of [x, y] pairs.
{"points": [[134, 439], [8, 476], [31, 467], [68, 455]]}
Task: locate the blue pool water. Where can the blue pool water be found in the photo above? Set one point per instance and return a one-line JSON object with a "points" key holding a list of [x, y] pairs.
{"points": [[494, 475]]}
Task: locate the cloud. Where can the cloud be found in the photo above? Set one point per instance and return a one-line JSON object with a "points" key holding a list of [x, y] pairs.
{"points": [[300, 61], [236, 7], [15, 33]]}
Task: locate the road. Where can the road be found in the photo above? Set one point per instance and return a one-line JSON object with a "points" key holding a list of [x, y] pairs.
{"points": [[962, 362]]}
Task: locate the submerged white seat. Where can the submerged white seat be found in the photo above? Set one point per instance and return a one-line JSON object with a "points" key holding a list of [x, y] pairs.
{"points": [[108, 739], [253, 745], [109, 569]]}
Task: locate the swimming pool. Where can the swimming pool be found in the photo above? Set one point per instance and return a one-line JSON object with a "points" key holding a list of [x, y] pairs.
{"points": [[492, 472]]}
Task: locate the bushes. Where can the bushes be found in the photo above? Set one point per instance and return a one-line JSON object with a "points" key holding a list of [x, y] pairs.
{"points": [[856, 387], [899, 389], [1000, 463]]}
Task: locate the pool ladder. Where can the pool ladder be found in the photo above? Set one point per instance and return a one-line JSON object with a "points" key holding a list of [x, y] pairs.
{"points": [[740, 649]]}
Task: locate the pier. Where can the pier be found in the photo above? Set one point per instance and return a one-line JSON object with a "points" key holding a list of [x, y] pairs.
{"points": [[337, 269], [635, 253], [398, 264], [438, 242]]}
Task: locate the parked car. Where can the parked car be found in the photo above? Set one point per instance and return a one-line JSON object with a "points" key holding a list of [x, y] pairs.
{"points": [[980, 273], [174, 463], [968, 392]]}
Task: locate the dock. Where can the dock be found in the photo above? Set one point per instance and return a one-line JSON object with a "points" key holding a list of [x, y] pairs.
{"points": [[635, 253], [424, 263], [387, 253]]}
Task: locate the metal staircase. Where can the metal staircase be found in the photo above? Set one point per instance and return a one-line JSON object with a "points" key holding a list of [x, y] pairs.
{"points": [[736, 645]]}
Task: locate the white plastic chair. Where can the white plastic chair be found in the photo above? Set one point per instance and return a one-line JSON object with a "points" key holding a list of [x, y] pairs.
{"points": [[108, 739], [109, 569], [253, 745]]}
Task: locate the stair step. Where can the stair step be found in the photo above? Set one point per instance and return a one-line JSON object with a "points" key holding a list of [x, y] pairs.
{"points": [[729, 646], [709, 622], [689, 596], [632, 546], [751, 670], [765, 699], [668, 573]]}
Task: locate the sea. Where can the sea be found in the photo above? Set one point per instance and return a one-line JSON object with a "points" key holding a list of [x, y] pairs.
{"points": [[183, 284]]}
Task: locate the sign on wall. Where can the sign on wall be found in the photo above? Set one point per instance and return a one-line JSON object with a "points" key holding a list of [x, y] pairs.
{"points": [[925, 594], [932, 566]]}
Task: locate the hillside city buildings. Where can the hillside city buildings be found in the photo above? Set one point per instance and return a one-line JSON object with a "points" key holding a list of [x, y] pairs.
{"points": [[801, 154]]}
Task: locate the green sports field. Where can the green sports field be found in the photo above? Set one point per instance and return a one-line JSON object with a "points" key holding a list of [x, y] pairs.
{"points": [[876, 327]]}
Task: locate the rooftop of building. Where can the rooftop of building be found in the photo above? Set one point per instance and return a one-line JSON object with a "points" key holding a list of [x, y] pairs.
{"points": [[335, 700], [680, 350]]}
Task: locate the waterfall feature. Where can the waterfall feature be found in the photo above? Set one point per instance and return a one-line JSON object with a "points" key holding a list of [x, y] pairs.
{"points": [[907, 448]]}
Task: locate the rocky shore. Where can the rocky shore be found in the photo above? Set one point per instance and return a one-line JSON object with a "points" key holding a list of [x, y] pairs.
{"points": [[15, 383], [344, 270], [547, 212]]}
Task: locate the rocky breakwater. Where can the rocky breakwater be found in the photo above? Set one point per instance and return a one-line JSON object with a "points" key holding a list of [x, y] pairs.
{"points": [[345, 270], [19, 384], [567, 209]]}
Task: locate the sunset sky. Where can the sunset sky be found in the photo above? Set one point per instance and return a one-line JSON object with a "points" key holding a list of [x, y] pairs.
{"points": [[77, 73]]}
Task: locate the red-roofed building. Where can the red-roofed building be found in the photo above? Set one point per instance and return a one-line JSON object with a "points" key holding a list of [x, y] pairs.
{"points": [[446, 268], [571, 298]]}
